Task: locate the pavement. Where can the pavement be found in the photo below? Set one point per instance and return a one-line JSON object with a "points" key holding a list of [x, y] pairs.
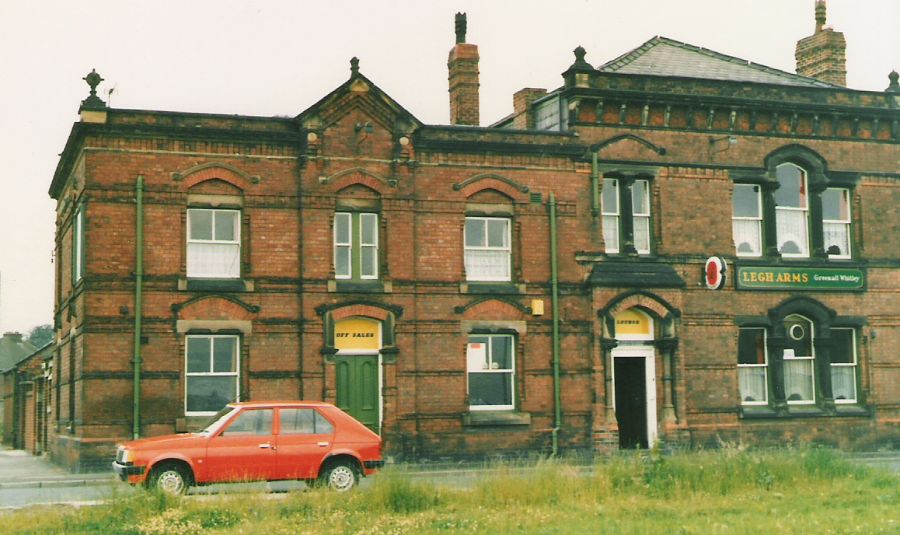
{"points": [[20, 469]]}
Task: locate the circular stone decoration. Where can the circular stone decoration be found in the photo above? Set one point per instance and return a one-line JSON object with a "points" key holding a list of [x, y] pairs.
{"points": [[714, 272]]}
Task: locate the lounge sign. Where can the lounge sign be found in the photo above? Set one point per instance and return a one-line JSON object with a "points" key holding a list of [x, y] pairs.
{"points": [[799, 278]]}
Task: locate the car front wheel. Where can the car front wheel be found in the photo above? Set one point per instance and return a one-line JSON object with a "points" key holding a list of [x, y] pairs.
{"points": [[170, 479], [340, 476]]}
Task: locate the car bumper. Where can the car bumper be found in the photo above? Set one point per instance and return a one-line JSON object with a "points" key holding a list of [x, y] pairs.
{"points": [[128, 472], [370, 467]]}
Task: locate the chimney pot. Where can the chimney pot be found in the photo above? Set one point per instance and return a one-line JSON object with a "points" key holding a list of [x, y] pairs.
{"points": [[462, 65]]}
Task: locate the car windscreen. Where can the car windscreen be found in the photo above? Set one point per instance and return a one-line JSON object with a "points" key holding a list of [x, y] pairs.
{"points": [[216, 421]]}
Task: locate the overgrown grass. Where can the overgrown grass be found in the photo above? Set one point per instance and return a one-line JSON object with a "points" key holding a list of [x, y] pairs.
{"points": [[725, 491]]}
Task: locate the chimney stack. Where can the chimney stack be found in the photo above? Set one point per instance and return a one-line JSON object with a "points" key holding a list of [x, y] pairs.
{"points": [[522, 101], [822, 55], [463, 67]]}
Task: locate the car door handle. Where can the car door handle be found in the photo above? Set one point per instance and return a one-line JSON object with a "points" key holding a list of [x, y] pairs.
{"points": [[323, 444], [267, 446]]}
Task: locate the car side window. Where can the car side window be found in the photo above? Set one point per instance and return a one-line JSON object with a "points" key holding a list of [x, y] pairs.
{"points": [[303, 422], [252, 422]]}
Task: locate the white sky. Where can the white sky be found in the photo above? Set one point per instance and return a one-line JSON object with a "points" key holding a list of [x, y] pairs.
{"points": [[279, 57]]}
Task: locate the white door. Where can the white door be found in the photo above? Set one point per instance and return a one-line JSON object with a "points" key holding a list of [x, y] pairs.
{"points": [[626, 371]]}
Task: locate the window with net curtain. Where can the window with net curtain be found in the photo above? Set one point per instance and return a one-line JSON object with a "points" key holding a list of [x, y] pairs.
{"points": [[753, 366], [611, 200], [213, 243], [747, 219], [836, 222], [487, 249], [799, 360], [792, 211], [843, 365]]}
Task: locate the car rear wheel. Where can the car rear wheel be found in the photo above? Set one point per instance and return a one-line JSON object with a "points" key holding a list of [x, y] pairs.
{"points": [[170, 478], [340, 476]]}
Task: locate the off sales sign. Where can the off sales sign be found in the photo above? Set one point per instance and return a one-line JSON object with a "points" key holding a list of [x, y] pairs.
{"points": [[799, 278]]}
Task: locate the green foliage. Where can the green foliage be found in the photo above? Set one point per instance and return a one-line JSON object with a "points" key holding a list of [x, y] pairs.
{"points": [[40, 335], [729, 490], [399, 494]]}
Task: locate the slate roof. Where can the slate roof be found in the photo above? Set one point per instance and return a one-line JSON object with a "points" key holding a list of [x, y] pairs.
{"points": [[661, 56], [13, 349], [639, 274]]}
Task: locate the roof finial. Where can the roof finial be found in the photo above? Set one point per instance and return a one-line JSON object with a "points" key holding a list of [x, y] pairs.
{"points": [[93, 101], [820, 15], [894, 87], [354, 65], [460, 28]]}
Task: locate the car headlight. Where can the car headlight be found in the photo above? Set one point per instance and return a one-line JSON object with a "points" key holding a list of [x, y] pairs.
{"points": [[126, 455]]}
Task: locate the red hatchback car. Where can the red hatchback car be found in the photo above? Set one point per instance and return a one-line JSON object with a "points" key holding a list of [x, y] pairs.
{"points": [[257, 441]]}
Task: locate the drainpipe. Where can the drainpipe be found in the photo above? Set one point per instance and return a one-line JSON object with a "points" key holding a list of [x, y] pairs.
{"points": [[595, 186], [554, 287], [138, 302]]}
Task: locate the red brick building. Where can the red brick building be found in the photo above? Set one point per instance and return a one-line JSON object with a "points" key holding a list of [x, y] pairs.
{"points": [[539, 284]]}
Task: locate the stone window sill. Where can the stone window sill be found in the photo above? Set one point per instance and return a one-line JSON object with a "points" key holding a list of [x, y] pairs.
{"points": [[801, 411], [216, 285], [476, 288], [374, 286], [496, 418]]}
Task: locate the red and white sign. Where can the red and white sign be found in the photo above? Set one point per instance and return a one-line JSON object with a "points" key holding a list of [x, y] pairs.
{"points": [[714, 272]]}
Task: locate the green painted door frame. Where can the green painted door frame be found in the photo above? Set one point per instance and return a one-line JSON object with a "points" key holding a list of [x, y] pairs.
{"points": [[358, 392]]}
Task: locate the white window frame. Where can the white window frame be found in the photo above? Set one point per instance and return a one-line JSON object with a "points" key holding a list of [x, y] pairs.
{"points": [[223, 273], [811, 359], [236, 373], [839, 222], [505, 251], [782, 212], [341, 245], [611, 218], [645, 216], [736, 220], [486, 366], [764, 366], [355, 252], [853, 364], [78, 246], [373, 218]]}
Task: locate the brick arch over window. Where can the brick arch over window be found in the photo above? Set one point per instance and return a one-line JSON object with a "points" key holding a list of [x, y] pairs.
{"points": [[215, 313], [492, 308], [662, 312], [215, 170], [357, 175], [510, 188], [387, 315], [804, 306], [811, 161]]}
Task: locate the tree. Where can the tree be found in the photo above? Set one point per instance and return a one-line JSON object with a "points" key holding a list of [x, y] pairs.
{"points": [[40, 335]]}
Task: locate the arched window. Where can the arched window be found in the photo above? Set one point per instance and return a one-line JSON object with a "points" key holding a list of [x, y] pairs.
{"points": [[799, 360], [800, 354], [792, 211], [796, 210]]}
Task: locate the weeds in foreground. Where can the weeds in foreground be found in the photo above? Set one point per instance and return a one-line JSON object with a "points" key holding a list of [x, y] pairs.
{"points": [[724, 491]]}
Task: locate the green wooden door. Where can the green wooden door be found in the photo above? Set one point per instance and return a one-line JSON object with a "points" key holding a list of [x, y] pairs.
{"points": [[357, 388]]}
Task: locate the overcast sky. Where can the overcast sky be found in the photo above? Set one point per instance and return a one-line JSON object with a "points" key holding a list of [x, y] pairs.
{"points": [[279, 57]]}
